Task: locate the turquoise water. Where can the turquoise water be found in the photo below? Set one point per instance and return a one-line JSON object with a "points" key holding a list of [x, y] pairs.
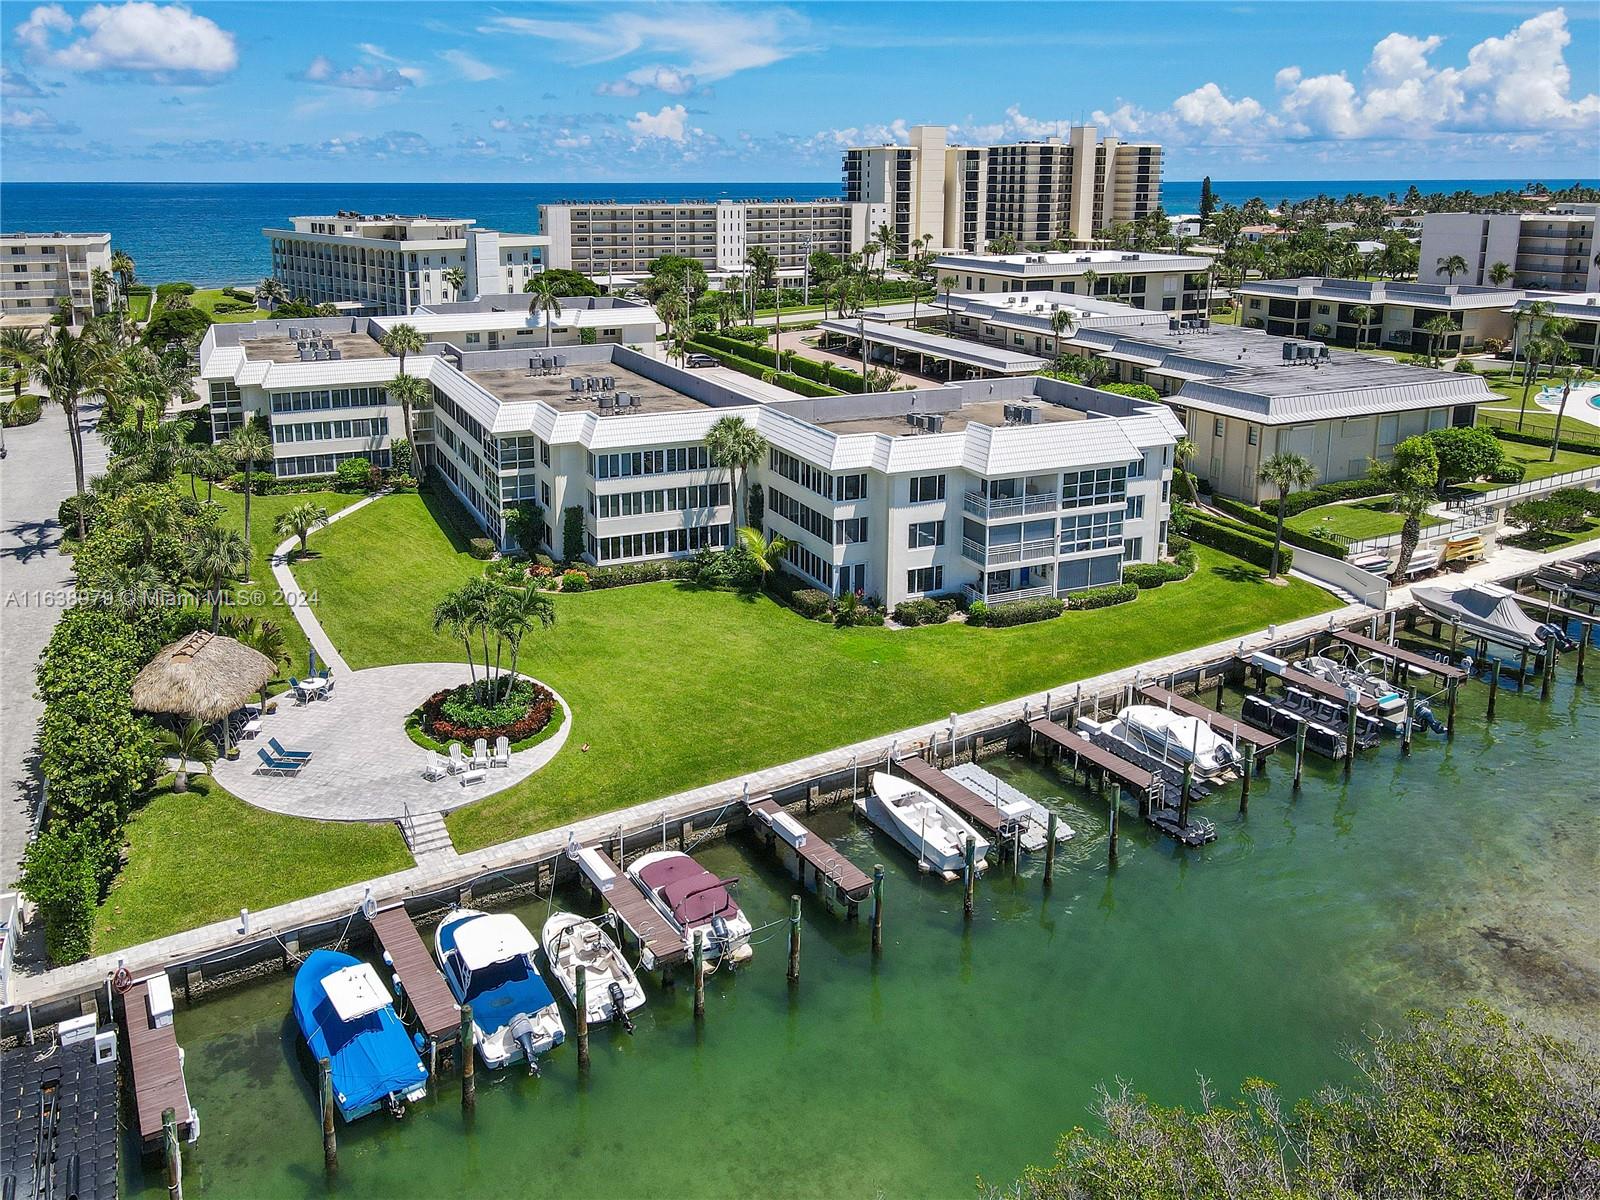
{"points": [[1465, 870]]}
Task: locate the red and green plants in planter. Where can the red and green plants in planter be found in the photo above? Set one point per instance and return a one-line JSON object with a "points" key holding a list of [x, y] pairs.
{"points": [[463, 714]]}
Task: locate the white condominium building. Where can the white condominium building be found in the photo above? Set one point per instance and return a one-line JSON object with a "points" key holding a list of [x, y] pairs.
{"points": [[1163, 282], [623, 239], [39, 270], [391, 264], [963, 197], [1395, 317], [1004, 489], [1554, 250]]}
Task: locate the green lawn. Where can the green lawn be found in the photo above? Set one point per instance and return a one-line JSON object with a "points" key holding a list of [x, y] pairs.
{"points": [[673, 687], [1356, 519], [139, 306], [207, 298], [204, 855]]}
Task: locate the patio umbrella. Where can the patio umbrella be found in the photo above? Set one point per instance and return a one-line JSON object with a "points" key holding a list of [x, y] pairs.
{"points": [[204, 675]]}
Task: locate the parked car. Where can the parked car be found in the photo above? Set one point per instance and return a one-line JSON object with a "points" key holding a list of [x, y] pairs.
{"points": [[700, 360]]}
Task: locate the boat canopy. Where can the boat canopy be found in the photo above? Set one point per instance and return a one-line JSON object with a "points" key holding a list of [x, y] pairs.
{"points": [[1485, 610], [355, 991], [371, 1055], [496, 937], [693, 893]]}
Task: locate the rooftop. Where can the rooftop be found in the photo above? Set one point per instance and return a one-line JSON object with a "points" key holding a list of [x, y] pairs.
{"points": [[1426, 295], [517, 385], [280, 348], [985, 412], [1069, 262]]}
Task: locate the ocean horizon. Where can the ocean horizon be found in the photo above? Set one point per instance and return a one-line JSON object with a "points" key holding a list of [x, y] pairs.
{"points": [[210, 233]]}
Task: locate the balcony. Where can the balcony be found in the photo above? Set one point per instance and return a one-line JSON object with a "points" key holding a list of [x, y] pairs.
{"points": [[975, 594], [1009, 506], [1038, 550]]}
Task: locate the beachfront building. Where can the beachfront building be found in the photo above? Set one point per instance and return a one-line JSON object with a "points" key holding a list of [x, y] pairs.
{"points": [[1327, 309], [608, 240], [1003, 489], [961, 197], [40, 270], [383, 264], [1552, 250], [1583, 310], [1175, 283]]}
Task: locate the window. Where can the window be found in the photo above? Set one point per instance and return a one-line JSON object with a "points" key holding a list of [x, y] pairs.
{"points": [[1135, 507], [925, 488], [850, 531], [1216, 427], [924, 533], [924, 579], [1104, 485], [1091, 531], [1133, 550], [1254, 435]]}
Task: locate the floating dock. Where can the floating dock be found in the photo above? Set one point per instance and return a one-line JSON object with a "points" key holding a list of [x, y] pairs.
{"points": [[154, 1060], [968, 804], [1220, 722], [421, 983], [814, 862], [660, 944], [60, 1119], [1036, 822]]}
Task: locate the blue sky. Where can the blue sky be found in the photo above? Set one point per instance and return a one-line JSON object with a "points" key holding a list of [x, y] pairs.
{"points": [[399, 91]]}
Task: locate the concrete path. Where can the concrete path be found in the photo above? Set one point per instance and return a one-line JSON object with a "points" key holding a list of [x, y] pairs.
{"points": [[35, 580], [304, 614], [363, 766]]}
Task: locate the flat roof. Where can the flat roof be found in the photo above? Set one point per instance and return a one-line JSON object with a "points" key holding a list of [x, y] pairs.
{"points": [[986, 412], [1057, 262], [1360, 291], [938, 345], [280, 348], [516, 385]]}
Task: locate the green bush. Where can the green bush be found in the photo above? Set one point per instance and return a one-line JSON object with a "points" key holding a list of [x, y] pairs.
{"points": [[1016, 612], [67, 512], [1178, 545], [176, 325], [1238, 540], [1269, 525], [233, 306], [926, 611], [1152, 575], [748, 335], [481, 548], [1508, 470], [1465, 453], [175, 289], [810, 603], [854, 612], [355, 475], [1326, 493], [759, 363], [241, 295], [1102, 597], [22, 411], [572, 533], [1579, 498], [574, 581], [1139, 391], [624, 574], [59, 874]]}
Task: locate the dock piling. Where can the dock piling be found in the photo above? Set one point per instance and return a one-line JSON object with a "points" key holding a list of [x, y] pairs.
{"points": [[1494, 687], [877, 909], [972, 876], [1350, 739], [1050, 849], [1183, 796], [174, 1153], [1299, 751], [581, 1003], [1116, 804], [794, 940], [699, 975], [1016, 847], [1249, 773], [1222, 681], [330, 1141], [1549, 667], [1450, 710], [469, 1085], [1407, 724], [1585, 632]]}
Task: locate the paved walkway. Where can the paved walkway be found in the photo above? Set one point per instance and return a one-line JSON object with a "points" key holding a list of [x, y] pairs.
{"points": [[363, 766], [35, 476]]}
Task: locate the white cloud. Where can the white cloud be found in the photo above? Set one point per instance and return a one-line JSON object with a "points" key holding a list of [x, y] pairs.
{"points": [[33, 121], [366, 77], [472, 69], [165, 41], [617, 87], [670, 124], [664, 79], [19, 86]]}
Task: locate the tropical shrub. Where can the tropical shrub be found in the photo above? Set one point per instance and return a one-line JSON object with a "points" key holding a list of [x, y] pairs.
{"points": [[1508, 470], [1139, 391], [355, 475], [1152, 575], [624, 574], [852, 610], [1102, 597], [67, 511], [1580, 498], [402, 458], [1017, 612], [734, 567], [462, 714], [810, 603], [22, 411], [977, 613], [926, 611], [59, 874], [574, 581], [176, 325], [1465, 453], [481, 548]]}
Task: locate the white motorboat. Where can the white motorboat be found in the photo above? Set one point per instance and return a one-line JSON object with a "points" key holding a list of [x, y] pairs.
{"points": [[1370, 682], [611, 989], [693, 898], [487, 960], [923, 824], [1175, 738]]}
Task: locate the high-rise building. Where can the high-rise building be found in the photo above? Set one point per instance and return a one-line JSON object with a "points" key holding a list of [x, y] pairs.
{"points": [[1554, 249], [40, 270], [1067, 188]]}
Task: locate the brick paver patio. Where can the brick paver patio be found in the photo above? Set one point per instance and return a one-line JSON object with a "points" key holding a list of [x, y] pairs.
{"points": [[363, 766]]}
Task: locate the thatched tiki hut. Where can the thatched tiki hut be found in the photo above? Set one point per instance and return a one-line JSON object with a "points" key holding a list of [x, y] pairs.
{"points": [[204, 675]]}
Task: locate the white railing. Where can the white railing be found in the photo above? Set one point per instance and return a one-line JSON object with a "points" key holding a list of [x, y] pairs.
{"points": [[1528, 487], [1469, 522], [1015, 552], [975, 593], [1009, 506]]}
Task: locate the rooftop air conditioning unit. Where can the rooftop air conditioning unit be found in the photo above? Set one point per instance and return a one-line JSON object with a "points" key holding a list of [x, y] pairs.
{"points": [[1288, 352], [914, 420], [1030, 414], [935, 422]]}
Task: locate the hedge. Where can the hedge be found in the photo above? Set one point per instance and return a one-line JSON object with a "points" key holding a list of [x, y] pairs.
{"points": [[1152, 575], [1269, 526], [23, 411], [1326, 493], [745, 366], [625, 574], [826, 373], [926, 611], [1236, 539], [481, 548], [1534, 439], [1102, 597], [1017, 612]]}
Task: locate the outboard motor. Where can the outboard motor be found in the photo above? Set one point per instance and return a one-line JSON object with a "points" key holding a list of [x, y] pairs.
{"points": [[522, 1034], [719, 930], [619, 1006], [1552, 630], [1425, 718]]}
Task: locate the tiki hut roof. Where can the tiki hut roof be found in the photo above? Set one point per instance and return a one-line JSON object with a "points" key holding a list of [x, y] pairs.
{"points": [[203, 675]]}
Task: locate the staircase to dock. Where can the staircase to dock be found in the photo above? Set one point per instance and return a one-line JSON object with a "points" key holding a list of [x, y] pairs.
{"points": [[426, 835]]}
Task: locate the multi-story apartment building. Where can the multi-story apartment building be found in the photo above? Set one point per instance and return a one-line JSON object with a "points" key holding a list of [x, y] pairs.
{"points": [[1037, 192], [1583, 310], [1552, 250], [1163, 282], [604, 239], [40, 270], [1005, 488], [1397, 312], [388, 264]]}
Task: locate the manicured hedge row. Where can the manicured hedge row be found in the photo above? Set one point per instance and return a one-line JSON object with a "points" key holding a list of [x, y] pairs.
{"points": [[1152, 575], [1268, 525], [746, 366], [1236, 539], [624, 574], [926, 611], [1534, 439], [1018, 612], [1325, 493], [827, 374], [1102, 597]]}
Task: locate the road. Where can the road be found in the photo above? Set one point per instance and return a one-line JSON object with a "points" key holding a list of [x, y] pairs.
{"points": [[35, 476]]}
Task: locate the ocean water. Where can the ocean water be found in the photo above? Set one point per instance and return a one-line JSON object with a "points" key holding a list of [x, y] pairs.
{"points": [[210, 233], [1465, 870]]}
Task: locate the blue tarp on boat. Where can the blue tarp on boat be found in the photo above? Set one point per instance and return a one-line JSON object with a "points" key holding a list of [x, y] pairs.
{"points": [[372, 1056]]}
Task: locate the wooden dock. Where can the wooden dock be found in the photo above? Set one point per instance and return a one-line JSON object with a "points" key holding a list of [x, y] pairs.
{"points": [[1220, 722], [425, 989], [660, 944], [1422, 662], [831, 875], [967, 803], [1307, 682], [156, 1067], [1083, 750]]}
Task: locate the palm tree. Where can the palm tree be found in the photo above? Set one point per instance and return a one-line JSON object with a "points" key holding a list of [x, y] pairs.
{"points": [[262, 635], [766, 553], [1412, 477], [269, 293], [1363, 313], [401, 340], [100, 287], [456, 614], [122, 268], [188, 744], [1120, 283], [1062, 322], [1439, 327], [515, 612], [70, 368], [245, 445], [764, 273], [1090, 278], [948, 285], [1182, 455], [1500, 274], [411, 392], [888, 242], [20, 349], [214, 559], [1450, 266], [455, 279], [544, 300], [299, 521], [735, 447], [1286, 472]]}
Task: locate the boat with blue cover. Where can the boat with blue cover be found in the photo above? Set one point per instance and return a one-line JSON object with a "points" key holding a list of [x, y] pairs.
{"points": [[487, 960], [347, 1016]]}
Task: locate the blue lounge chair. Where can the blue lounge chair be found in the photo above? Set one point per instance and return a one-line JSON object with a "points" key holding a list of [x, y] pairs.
{"points": [[285, 753], [277, 766]]}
